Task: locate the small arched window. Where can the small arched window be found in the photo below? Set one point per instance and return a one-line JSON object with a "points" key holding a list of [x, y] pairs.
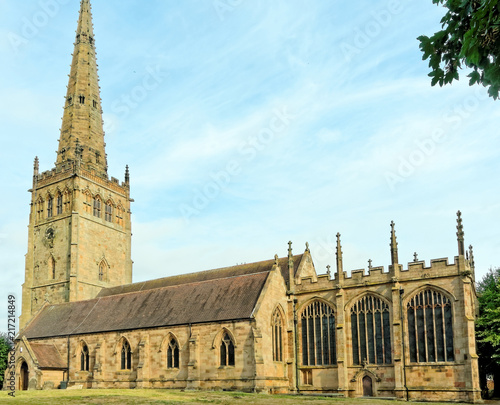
{"points": [[103, 267], [52, 268], [226, 350], [277, 335], [430, 327], [371, 331], [318, 335], [108, 214], [126, 356], [59, 208], [82, 99], [173, 354], [84, 358], [50, 206], [97, 207]]}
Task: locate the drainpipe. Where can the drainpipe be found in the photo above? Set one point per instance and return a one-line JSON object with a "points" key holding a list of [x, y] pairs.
{"points": [[401, 292], [67, 375], [296, 346]]}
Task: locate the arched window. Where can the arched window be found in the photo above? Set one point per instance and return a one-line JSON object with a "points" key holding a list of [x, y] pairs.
{"points": [[52, 268], [173, 354], [103, 267], [97, 207], [371, 331], [50, 206], [126, 356], [84, 358], [226, 351], [277, 332], [430, 327], [59, 204], [318, 335], [108, 214]]}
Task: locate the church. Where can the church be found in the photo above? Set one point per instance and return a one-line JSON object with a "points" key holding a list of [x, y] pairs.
{"points": [[273, 326]]}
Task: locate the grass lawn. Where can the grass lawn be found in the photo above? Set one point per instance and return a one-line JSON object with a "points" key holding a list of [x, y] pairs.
{"points": [[173, 397]]}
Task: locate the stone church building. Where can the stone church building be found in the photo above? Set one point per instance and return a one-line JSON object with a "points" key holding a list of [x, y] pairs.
{"points": [[274, 326]]}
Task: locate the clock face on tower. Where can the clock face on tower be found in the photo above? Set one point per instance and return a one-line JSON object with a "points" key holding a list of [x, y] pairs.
{"points": [[50, 233]]}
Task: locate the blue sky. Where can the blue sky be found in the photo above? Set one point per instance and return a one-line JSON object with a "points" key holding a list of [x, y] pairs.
{"points": [[249, 123]]}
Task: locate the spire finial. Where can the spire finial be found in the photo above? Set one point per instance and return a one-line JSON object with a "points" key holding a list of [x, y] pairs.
{"points": [[36, 166], [307, 247], [276, 259], [290, 249], [338, 254], [460, 234], [328, 271], [471, 257], [127, 175], [394, 245]]}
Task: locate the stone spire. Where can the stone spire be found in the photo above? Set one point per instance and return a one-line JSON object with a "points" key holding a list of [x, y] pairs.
{"points": [[460, 235], [82, 117], [394, 245]]}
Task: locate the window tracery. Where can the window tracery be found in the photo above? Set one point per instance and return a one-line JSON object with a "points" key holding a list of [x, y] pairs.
{"points": [[318, 335], [430, 327], [371, 331]]}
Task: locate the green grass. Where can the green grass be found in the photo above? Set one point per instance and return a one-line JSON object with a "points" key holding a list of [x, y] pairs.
{"points": [[172, 397]]}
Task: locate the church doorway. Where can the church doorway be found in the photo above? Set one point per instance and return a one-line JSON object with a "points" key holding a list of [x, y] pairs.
{"points": [[367, 386], [24, 377]]}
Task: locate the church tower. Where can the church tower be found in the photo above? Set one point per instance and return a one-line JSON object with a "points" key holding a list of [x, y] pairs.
{"points": [[79, 230]]}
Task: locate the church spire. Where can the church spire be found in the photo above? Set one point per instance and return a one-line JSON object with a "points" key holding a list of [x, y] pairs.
{"points": [[82, 119]]}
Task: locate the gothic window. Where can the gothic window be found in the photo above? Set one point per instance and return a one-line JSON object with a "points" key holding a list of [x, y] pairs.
{"points": [[70, 99], [371, 331], [84, 358], [50, 207], [430, 327], [94, 103], [102, 270], [97, 207], [277, 335], [82, 99], [39, 209], [67, 201], [173, 354], [126, 356], [59, 204], [52, 268], [88, 202], [227, 351], [120, 212], [318, 335], [108, 215]]}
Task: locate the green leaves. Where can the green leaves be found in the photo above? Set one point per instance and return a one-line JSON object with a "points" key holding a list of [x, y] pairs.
{"points": [[470, 37]]}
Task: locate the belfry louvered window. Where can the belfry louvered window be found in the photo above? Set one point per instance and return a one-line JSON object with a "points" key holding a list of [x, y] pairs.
{"points": [[318, 335], [371, 331], [59, 204], [50, 207], [430, 327]]}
